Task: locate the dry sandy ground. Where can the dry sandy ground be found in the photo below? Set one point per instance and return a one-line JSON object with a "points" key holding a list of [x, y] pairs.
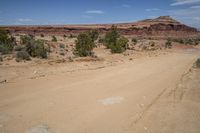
{"points": [[155, 95]]}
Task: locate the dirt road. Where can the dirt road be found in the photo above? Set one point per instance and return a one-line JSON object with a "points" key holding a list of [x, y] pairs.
{"points": [[114, 99]]}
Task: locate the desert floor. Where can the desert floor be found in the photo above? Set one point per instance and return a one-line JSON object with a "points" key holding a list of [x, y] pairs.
{"points": [[158, 93]]}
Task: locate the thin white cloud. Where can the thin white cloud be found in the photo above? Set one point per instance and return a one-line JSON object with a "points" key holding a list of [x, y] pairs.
{"points": [[184, 2], [95, 12], [24, 20], [126, 6], [188, 16], [195, 7], [196, 19], [185, 12], [153, 9]]}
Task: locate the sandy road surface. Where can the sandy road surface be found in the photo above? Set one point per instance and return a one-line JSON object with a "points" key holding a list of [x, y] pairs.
{"points": [[109, 100]]}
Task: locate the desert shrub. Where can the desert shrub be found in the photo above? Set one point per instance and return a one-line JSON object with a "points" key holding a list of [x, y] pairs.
{"points": [[19, 48], [181, 41], [101, 40], [41, 35], [64, 36], [7, 42], [111, 37], [189, 41], [134, 41], [168, 44], [62, 46], [120, 46], [54, 39], [114, 42], [34, 48], [196, 41], [25, 39], [197, 63], [94, 34], [22, 55], [71, 36], [39, 49], [152, 43], [84, 45]]}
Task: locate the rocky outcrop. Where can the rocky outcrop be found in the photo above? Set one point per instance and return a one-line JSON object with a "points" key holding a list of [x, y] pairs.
{"points": [[163, 26]]}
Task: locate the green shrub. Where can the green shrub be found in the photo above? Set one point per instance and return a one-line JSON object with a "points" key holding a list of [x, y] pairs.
{"points": [[38, 49], [94, 34], [19, 48], [62, 46], [111, 37], [54, 39], [134, 41], [152, 43], [120, 45], [64, 36], [42, 35], [189, 41], [25, 39], [114, 42], [101, 40], [7, 42], [84, 45], [71, 36], [22, 55], [168, 44], [35, 48]]}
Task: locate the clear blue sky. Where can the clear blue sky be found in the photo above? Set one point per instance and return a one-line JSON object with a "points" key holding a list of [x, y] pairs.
{"points": [[35, 12]]}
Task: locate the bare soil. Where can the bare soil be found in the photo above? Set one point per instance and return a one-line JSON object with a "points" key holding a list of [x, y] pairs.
{"points": [[151, 92]]}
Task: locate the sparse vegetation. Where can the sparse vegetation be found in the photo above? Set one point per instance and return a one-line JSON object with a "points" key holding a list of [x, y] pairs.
{"points": [[168, 44], [187, 41], [54, 39], [111, 37], [71, 36], [84, 45], [62, 46], [197, 63], [7, 42], [19, 48], [101, 40], [134, 41], [41, 35], [120, 46], [64, 36], [114, 42], [22, 55], [152, 43], [35, 48], [94, 34]]}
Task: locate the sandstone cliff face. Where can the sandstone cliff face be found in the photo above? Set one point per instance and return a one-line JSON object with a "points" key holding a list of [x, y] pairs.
{"points": [[163, 26]]}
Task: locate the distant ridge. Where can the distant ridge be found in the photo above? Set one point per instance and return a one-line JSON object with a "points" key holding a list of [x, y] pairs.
{"points": [[163, 26]]}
